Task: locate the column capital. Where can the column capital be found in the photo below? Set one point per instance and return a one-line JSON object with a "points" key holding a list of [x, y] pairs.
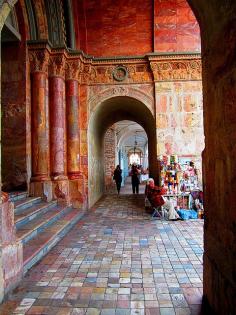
{"points": [[72, 69], [39, 60], [57, 65]]}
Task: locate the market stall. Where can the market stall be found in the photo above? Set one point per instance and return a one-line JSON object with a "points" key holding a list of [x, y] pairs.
{"points": [[181, 179]]}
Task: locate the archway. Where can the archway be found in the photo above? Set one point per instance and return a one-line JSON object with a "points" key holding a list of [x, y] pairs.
{"points": [[125, 143], [105, 114]]}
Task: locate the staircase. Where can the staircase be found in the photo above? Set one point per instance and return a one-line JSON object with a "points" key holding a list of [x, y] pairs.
{"points": [[40, 225]]}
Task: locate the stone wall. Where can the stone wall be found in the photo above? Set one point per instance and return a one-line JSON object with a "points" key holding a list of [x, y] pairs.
{"points": [[14, 164], [219, 93]]}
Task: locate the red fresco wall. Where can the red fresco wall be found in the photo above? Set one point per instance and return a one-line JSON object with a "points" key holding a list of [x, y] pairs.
{"points": [[175, 27], [114, 28], [134, 27]]}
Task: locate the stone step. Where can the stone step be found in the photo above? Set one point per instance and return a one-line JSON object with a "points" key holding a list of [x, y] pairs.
{"points": [[40, 245], [26, 215], [25, 232], [18, 195], [22, 204]]}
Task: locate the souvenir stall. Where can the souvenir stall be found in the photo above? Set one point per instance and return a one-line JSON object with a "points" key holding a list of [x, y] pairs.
{"points": [[181, 179]]}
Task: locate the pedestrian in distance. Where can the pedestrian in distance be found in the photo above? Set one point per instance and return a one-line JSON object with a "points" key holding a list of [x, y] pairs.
{"points": [[135, 174], [117, 176]]}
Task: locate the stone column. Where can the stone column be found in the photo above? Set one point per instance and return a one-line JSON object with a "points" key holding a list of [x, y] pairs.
{"points": [[76, 178], [57, 109], [72, 111], [40, 180]]}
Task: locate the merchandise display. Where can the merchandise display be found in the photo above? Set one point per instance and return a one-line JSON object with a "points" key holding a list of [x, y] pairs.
{"points": [[180, 178]]}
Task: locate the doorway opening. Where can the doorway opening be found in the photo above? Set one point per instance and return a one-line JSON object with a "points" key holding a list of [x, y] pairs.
{"points": [[115, 112], [125, 144]]}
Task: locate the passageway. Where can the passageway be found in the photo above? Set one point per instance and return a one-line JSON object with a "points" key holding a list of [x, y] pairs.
{"points": [[104, 115], [117, 261]]}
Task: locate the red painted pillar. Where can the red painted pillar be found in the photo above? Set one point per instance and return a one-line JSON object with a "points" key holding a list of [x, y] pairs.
{"points": [[76, 178], [73, 144], [40, 128], [57, 127], [57, 112], [40, 181]]}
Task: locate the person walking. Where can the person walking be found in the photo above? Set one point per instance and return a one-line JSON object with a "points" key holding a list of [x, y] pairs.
{"points": [[135, 179], [117, 176]]}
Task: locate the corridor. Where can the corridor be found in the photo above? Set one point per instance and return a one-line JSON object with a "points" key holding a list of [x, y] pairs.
{"points": [[117, 261]]}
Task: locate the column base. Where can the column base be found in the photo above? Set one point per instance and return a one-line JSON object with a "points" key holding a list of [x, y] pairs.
{"points": [[59, 177], [78, 194], [60, 188], [41, 189], [74, 175], [11, 252], [40, 178]]}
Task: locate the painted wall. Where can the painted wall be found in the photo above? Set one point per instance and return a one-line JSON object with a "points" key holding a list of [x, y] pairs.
{"points": [[14, 113], [175, 27], [179, 118], [135, 27]]}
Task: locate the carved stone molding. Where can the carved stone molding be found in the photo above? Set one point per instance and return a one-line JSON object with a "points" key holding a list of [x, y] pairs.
{"points": [[98, 71], [133, 73], [143, 94], [39, 60], [72, 70], [57, 65], [88, 73], [171, 70]]}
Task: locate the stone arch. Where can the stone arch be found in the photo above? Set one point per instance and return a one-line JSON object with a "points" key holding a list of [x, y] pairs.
{"points": [[120, 90], [105, 114]]}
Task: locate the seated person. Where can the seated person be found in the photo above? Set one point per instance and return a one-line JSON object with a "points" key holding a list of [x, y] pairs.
{"points": [[155, 196]]}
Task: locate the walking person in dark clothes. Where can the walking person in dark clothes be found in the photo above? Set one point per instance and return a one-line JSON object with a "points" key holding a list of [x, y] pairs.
{"points": [[118, 177], [135, 179]]}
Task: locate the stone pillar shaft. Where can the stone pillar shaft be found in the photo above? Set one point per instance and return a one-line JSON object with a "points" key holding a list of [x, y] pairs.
{"points": [[40, 127], [73, 145], [57, 127]]}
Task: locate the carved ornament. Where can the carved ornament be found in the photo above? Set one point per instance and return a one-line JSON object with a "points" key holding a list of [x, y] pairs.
{"points": [[39, 60], [88, 73], [97, 96], [130, 73], [57, 65], [72, 69], [120, 73], [176, 70]]}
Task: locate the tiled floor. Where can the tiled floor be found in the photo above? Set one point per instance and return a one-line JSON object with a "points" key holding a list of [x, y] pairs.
{"points": [[117, 261]]}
